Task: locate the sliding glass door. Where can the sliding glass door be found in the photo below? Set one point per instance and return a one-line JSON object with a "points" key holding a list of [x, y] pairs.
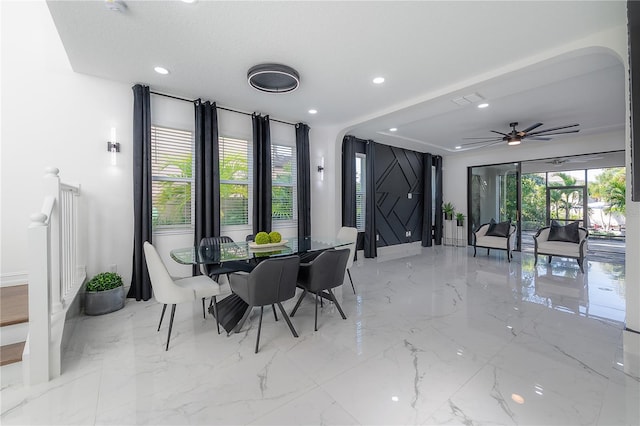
{"points": [[494, 193]]}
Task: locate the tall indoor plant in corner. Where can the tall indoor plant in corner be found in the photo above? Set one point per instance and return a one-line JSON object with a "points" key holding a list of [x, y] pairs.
{"points": [[104, 294]]}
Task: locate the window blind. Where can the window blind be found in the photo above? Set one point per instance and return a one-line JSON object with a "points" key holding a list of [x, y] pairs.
{"points": [[284, 184], [172, 178], [236, 188]]}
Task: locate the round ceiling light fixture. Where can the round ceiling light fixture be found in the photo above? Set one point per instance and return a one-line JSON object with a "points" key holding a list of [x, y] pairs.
{"points": [[273, 78]]}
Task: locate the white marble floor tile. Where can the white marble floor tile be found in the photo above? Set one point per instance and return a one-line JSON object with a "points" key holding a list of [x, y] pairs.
{"points": [[315, 407], [438, 337]]}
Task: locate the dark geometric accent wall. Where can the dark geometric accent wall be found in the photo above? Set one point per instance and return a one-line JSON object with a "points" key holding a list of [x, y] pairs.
{"points": [[398, 173]]}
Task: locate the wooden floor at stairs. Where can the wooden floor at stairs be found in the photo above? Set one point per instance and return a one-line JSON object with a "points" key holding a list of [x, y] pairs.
{"points": [[14, 309]]}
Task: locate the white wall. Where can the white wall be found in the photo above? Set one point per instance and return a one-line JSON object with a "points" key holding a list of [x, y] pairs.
{"points": [[326, 202], [54, 117]]}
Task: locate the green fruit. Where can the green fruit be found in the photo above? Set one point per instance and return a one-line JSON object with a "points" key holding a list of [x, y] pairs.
{"points": [[275, 236], [262, 238]]}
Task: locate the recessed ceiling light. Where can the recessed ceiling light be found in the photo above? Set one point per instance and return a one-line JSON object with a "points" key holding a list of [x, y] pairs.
{"points": [[161, 70], [189, 1], [378, 80], [393, 129], [518, 399], [313, 111], [483, 105], [115, 5], [458, 147]]}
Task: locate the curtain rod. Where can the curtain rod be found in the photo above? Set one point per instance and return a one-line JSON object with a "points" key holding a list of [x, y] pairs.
{"points": [[219, 107]]}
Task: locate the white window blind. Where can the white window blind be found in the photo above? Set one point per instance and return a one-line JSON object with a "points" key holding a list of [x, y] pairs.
{"points": [[172, 178], [236, 182], [361, 191], [284, 183]]}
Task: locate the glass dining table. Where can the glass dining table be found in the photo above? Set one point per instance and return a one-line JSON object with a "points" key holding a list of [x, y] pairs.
{"points": [[232, 311]]}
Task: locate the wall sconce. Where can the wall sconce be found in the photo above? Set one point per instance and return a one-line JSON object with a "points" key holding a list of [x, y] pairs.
{"points": [[321, 168], [113, 147]]}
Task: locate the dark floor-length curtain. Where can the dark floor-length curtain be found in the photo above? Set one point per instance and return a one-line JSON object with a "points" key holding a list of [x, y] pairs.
{"points": [[140, 282], [348, 181], [370, 243], [304, 181], [437, 236], [427, 200], [262, 174], [206, 175]]}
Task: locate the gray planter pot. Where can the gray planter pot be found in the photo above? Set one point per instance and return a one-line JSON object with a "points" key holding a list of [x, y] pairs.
{"points": [[103, 302]]}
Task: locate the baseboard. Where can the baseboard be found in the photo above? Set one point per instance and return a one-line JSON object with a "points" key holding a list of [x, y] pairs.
{"points": [[14, 278], [398, 251]]}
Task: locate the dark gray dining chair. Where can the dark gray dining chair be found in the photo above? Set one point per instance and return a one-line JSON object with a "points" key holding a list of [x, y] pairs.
{"points": [[321, 275], [210, 251], [271, 282], [213, 268]]}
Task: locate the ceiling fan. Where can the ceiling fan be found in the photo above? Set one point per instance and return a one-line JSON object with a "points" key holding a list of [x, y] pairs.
{"points": [[515, 137], [577, 159]]}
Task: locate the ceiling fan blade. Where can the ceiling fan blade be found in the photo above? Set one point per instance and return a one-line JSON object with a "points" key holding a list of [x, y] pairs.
{"points": [[553, 129], [500, 133], [486, 138], [530, 128], [536, 138], [554, 133], [480, 144], [482, 141]]}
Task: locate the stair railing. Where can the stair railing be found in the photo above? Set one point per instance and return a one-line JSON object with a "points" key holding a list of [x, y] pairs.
{"points": [[55, 277]]}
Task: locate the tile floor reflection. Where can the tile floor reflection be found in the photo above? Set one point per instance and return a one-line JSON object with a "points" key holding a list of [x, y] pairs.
{"points": [[438, 337]]}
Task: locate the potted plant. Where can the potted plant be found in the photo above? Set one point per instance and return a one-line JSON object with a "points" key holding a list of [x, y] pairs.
{"points": [[460, 219], [448, 210], [104, 293]]}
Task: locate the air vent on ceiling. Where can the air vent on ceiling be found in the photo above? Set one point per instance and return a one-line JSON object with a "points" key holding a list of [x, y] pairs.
{"points": [[468, 99]]}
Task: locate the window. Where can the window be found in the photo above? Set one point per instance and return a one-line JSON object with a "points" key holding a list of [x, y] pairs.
{"points": [[172, 180], [361, 190], [284, 184], [235, 182]]}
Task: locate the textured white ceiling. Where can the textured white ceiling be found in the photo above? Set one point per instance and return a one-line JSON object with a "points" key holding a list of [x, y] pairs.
{"points": [[338, 47]]}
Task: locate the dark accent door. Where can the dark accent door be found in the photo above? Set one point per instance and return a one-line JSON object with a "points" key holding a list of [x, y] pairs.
{"points": [[399, 186]]}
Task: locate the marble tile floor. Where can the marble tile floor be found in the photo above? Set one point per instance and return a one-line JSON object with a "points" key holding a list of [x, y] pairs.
{"points": [[438, 337]]}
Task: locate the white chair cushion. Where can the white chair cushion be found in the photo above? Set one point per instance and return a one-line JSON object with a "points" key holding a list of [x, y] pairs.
{"points": [[559, 248], [493, 242], [201, 285]]}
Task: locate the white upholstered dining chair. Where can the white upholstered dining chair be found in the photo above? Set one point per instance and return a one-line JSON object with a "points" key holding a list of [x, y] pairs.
{"points": [[347, 233], [170, 291]]}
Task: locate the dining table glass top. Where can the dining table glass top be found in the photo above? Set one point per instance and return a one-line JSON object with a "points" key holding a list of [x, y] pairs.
{"points": [[243, 250]]}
